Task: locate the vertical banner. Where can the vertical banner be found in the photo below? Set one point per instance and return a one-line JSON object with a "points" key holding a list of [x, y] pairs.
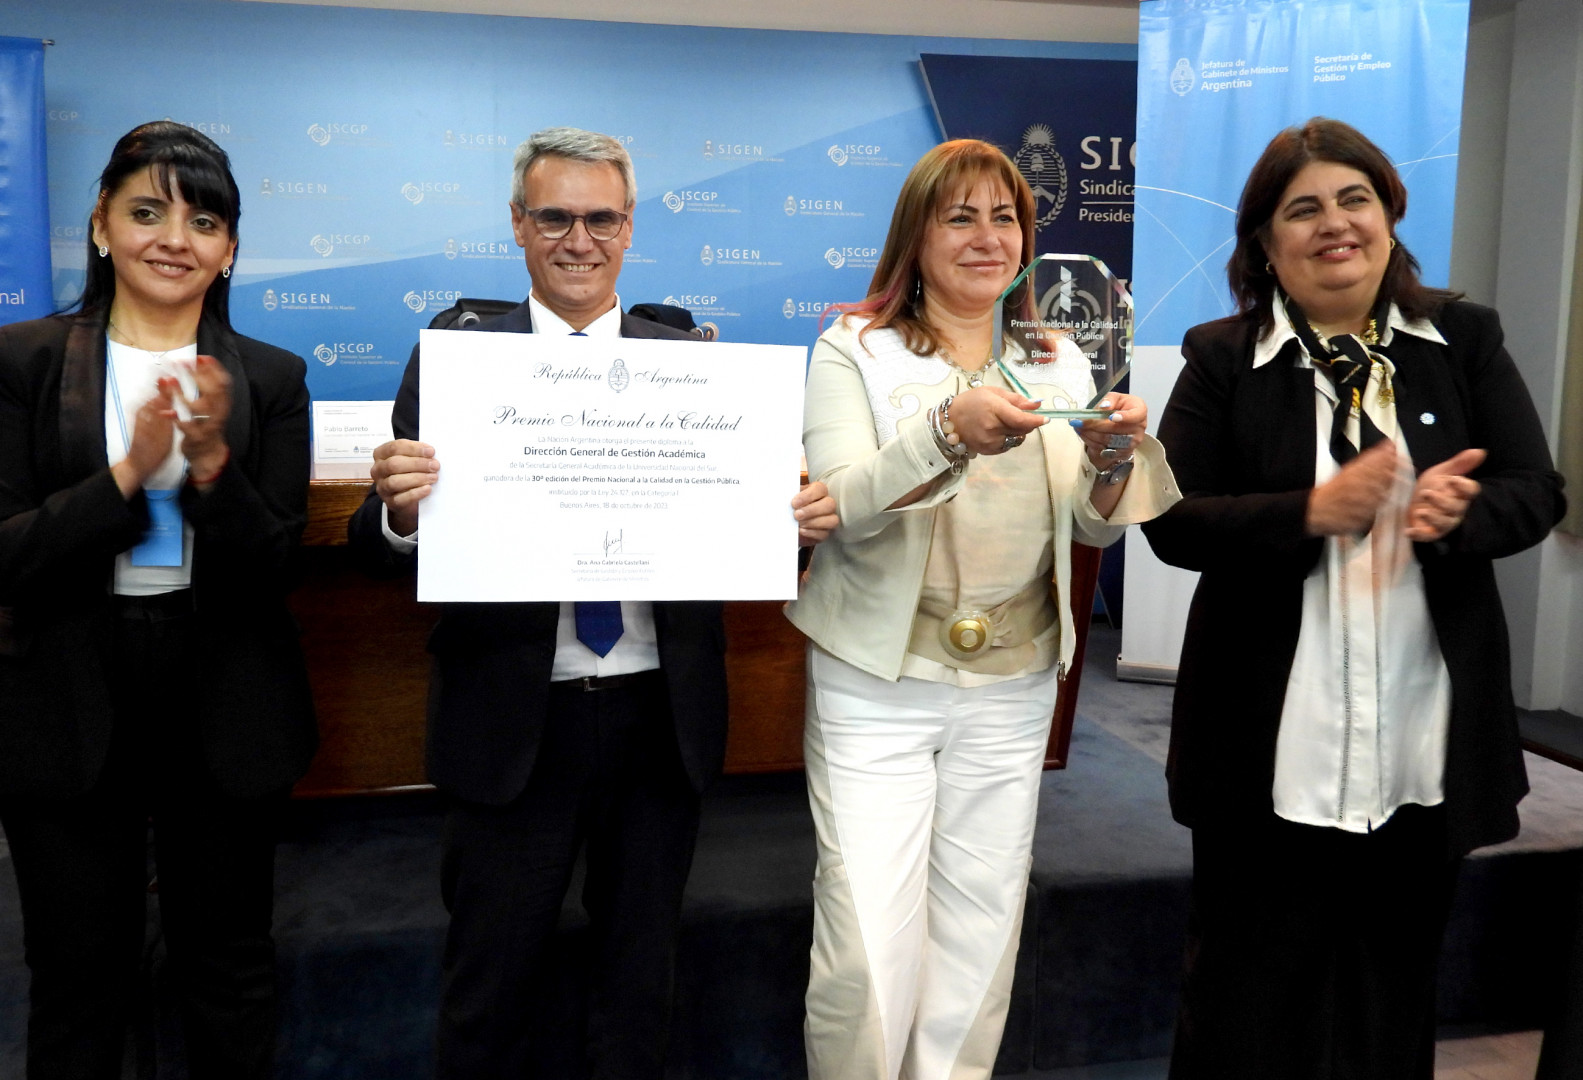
{"points": [[1217, 79], [24, 197]]}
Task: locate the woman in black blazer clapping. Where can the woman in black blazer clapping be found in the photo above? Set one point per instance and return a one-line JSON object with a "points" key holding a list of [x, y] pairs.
{"points": [[153, 488], [1354, 449]]}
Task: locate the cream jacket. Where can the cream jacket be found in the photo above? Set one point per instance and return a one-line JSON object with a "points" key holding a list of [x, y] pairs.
{"points": [[866, 434]]}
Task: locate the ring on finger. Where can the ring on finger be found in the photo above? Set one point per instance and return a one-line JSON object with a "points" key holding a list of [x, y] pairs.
{"points": [[1011, 442], [1107, 452]]}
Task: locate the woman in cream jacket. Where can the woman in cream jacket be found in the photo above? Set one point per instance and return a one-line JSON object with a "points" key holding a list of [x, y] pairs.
{"points": [[939, 625]]}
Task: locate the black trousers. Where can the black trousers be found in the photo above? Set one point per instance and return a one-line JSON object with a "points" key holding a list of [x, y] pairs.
{"points": [[82, 874], [609, 779], [1561, 1056], [1312, 952]]}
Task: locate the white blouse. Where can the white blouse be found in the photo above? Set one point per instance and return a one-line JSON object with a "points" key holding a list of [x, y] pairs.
{"points": [[131, 378], [1368, 701]]}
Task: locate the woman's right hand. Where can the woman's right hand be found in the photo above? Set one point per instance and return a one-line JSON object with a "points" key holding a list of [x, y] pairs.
{"points": [[986, 415], [153, 428], [1345, 504]]}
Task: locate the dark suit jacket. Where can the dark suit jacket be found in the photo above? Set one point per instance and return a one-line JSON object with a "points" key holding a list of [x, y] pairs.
{"points": [[491, 670], [1242, 445], [62, 522]]}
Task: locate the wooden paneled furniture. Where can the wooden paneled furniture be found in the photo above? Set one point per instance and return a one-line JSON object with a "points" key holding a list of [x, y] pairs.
{"points": [[364, 639]]}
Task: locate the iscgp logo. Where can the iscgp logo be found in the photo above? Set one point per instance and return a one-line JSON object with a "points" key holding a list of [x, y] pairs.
{"points": [[673, 202], [321, 246], [418, 301], [837, 155], [836, 258], [323, 133], [412, 193], [324, 354], [1183, 78]]}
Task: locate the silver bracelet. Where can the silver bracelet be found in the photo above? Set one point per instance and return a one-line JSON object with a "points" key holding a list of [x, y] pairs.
{"points": [[944, 432]]}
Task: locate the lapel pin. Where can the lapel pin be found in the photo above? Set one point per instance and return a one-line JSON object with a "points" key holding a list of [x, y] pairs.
{"points": [[1426, 418]]}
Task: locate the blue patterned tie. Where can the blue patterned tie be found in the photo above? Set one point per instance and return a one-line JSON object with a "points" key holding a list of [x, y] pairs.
{"points": [[598, 621]]}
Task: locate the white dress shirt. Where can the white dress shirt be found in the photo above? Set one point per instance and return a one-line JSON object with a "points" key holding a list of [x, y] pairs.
{"points": [[1368, 701], [637, 649]]}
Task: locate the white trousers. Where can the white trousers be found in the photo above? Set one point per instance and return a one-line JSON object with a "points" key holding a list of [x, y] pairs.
{"points": [[924, 797]]}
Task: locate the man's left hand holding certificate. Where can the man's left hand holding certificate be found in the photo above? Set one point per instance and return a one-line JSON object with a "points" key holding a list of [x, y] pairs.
{"points": [[586, 469]]}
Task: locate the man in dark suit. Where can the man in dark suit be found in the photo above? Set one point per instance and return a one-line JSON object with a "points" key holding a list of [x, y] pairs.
{"points": [[561, 727]]}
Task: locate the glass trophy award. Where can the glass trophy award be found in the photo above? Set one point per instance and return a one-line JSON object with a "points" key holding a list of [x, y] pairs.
{"points": [[1066, 329]]}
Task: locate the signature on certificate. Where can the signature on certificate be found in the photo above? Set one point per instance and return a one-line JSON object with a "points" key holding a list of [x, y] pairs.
{"points": [[613, 543]]}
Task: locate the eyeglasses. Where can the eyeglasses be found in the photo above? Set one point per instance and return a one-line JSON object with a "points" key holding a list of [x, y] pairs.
{"points": [[554, 223]]}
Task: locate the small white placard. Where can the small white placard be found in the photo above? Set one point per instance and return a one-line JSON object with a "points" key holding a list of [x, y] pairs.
{"points": [[344, 436]]}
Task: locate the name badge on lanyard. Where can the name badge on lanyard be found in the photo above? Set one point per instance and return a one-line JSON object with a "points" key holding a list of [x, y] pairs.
{"points": [[162, 540], [161, 543]]}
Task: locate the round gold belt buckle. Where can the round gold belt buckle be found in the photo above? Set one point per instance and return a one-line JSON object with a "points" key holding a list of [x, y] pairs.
{"points": [[967, 634]]}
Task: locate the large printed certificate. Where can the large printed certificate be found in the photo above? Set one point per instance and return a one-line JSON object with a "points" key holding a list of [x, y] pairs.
{"points": [[575, 468]]}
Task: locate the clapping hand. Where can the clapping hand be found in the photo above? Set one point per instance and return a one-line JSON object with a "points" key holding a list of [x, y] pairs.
{"points": [[1442, 495]]}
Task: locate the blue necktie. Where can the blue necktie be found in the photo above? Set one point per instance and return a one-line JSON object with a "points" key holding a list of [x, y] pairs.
{"points": [[599, 624], [598, 621]]}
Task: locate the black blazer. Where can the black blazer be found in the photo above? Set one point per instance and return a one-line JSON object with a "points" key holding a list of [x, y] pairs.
{"points": [[62, 522], [1242, 445], [491, 670]]}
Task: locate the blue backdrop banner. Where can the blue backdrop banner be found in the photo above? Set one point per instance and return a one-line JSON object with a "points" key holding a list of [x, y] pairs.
{"points": [[1218, 78], [24, 195], [374, 148]]}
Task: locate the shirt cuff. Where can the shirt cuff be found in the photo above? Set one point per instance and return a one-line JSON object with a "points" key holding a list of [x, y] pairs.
{"points": [[401, 545]]}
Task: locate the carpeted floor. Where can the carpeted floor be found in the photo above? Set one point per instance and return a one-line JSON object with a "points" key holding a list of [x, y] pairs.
{"points": [[360, 925]]}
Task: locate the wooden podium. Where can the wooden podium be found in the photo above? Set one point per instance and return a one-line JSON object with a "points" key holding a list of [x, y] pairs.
{"points": [[364, 640]]}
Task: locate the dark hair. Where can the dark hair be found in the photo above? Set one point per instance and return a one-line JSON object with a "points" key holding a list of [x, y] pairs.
{"points": [[1320, 139], [182, 158], [940, 175]]}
